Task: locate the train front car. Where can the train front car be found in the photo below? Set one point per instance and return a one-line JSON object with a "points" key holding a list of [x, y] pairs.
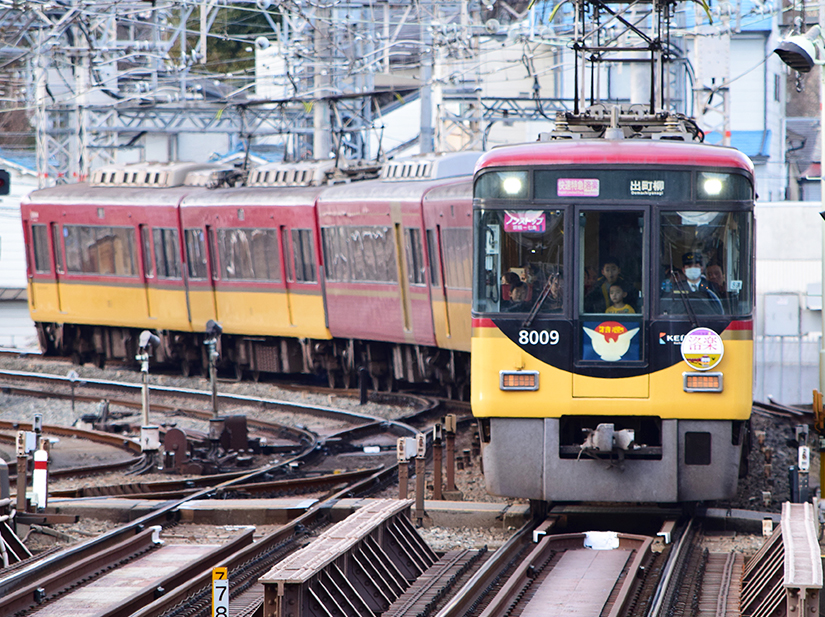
{"points": [[613, 319]]}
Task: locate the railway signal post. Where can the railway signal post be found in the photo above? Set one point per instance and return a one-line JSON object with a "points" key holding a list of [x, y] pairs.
{"points": [[213, 332]]}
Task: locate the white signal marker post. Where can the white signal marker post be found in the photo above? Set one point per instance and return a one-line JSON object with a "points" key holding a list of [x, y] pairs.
{"points": [[220, 592], [40, 478]]}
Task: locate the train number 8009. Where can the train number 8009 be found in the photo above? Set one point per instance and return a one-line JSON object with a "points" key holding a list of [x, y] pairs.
{"points": [[538, 337]]}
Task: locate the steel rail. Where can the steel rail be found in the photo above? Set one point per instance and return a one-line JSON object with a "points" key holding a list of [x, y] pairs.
{"points": [[486, 576], [168, 512], [672, 562], [51, 580], [314, 410], [526, 572], [175, 489], [118, 441], [250, 557]]}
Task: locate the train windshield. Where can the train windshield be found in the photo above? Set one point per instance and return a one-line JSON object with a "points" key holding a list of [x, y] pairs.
{"points": [[705, 265], [522, 253]]}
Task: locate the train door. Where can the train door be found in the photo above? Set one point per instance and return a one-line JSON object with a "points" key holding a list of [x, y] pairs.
{"points": [[201, 286], [214, 272], [439, 284], [401, 270], [289, 272], [42, 288], [612, 258], [59, 268], [421, 312], [148, 274]]}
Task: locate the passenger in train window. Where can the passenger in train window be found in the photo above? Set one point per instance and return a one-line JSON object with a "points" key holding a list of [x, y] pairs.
{"points": [[617, 298], [590, 278], [598, 300], [555, 289], [717, 279]]}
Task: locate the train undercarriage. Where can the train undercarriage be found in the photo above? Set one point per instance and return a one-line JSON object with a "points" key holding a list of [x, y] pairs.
{"points": [[388, 365]]}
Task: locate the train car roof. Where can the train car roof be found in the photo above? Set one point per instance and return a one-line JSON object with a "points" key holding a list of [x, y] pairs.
{"points": [[385, 190], [275, 196], [83, 194], [615, 152], [455, 190]]}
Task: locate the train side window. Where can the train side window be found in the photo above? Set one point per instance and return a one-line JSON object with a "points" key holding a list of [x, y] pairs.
{"points": [[146, 242], [167, 252], [458, 249], [432, 253], [213, 253], [249, 254], [416, 272], [302, 248], [93, 249], [40, 240], [337, 261], [359, 254], [195, 253], [58, 253], [290, 275]]}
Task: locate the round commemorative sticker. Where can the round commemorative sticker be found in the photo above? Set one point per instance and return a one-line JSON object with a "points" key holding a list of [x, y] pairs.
{"points": [[702, 349]]}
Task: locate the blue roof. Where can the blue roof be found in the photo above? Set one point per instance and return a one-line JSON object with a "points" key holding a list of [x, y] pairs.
{"points": [[24, 158], [755, 16], [754, 144]]}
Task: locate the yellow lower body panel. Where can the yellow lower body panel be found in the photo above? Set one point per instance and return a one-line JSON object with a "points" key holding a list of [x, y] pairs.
{"points": [[272, 314], [560, 393], [109, 305], [628, 387], [455, 333]]}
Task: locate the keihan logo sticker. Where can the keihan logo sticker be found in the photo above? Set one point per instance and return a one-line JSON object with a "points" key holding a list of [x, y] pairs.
{"points": [[610, 341]]}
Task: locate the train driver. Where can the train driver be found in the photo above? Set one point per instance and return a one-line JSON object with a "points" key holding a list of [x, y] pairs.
{"points": [[693, 285]]}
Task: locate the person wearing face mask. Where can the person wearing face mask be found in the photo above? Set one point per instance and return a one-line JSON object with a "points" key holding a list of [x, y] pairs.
{"points": [[695, 287], [694, 272]]}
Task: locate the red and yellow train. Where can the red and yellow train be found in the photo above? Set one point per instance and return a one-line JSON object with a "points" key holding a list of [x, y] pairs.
{"points": [[303, 275]]}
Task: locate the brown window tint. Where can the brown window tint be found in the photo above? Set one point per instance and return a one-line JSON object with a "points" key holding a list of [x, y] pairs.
{"points": [[416, 274], [146, 242], [58, 254], [359, 254], [167, 252], [432, 253], [195, 253], [458, 248], [100, 250], [40, 240], [249, 254], [304, 255]]}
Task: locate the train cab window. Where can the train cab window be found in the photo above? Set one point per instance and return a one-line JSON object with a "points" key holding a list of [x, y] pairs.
{"points": [[249, 254], [93, 249], [167, 252], [432, 253], [611, 280], [417, 273], [611, 246], [196, 253], [304, 253], [522, 252], [40, 240], [704, 265]]}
